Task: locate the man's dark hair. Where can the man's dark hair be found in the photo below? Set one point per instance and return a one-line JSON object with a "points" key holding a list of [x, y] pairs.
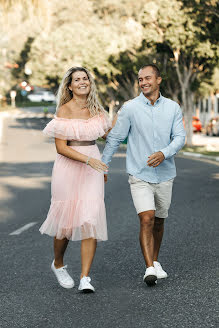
{"points": [[155, 68]]}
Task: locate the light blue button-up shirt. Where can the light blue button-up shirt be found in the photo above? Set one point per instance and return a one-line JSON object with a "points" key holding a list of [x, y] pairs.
{"points": [[149, 128]]}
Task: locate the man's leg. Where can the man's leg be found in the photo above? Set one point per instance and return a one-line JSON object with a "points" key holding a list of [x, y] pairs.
{"points": [[146, 236], [163, 194], [143, 198], [158, 236]]}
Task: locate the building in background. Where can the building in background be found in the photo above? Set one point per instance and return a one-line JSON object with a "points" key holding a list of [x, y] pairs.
{"points": [[207, 108]]}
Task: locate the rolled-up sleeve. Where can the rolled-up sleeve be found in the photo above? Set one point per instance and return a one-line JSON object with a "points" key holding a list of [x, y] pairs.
{"points": [[178, 135], [117, 135]]}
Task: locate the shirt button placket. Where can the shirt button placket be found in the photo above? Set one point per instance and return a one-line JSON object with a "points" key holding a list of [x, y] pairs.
{"points": [[155, 138]]}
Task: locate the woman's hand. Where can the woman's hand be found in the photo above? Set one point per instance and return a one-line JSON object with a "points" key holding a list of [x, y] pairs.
{"points": [[96, 164]]}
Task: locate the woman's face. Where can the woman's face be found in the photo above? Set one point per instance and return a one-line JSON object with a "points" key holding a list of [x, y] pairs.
{"points": [[80, 84]]}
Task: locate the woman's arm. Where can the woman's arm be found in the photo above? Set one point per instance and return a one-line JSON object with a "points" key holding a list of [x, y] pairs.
{"points": [[64, 150], [113, 124]]}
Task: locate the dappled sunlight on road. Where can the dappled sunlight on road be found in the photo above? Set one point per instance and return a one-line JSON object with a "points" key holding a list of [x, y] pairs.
{"points": [[20, 197], [27, 183], [21, 186]]}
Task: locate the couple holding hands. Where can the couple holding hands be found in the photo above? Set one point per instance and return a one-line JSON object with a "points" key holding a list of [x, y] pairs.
{"points": [[154, 128]]}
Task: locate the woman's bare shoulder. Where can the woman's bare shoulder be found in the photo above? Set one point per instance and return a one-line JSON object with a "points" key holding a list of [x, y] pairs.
{"points": [[64, 111]]}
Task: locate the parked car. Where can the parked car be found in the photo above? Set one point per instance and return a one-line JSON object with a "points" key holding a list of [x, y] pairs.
{"points": [[39, 96], [212, 127], [196, 123]]}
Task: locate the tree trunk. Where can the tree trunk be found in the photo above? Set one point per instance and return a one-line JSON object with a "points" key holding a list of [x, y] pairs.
{"points": [[185, 77], [111, 109], [187, 102]]}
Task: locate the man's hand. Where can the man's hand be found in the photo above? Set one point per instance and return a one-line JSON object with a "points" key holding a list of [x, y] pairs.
{"points": [[105, 178], [155, 159]]}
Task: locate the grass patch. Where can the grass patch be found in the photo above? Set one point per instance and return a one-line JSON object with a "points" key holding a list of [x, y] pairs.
{"points": [[201, 150]]}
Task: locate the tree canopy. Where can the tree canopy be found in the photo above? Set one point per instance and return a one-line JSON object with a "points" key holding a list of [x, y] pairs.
{"points": [[113, 39]]}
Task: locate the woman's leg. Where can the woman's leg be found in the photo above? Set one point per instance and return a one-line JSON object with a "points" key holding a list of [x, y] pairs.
{"points": [[60, 246], [88, 249]]}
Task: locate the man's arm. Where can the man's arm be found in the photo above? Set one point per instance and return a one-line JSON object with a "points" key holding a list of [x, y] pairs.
{"points": [[117, 135], [178, 136]]}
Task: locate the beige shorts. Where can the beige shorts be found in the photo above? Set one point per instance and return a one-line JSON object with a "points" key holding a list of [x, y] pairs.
{"points": [[151, 196]]}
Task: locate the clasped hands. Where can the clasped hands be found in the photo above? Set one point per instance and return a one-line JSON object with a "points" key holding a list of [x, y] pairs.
{"points": [[153, 160], [96, 164]]}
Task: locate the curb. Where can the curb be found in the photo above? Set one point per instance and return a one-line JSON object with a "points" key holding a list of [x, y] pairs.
{"points": [[197, 155]]}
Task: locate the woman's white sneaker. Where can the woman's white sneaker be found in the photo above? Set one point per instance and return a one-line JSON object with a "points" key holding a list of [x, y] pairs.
{"points": [[62, 276], [159, 270], [150, 276], [85, 285]]}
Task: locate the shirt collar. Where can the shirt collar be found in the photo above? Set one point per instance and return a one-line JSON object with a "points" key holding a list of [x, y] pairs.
{"points": [[147, 101]]}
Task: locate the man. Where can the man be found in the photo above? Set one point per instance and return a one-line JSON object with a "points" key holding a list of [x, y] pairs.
{"points": [[154, 128]]}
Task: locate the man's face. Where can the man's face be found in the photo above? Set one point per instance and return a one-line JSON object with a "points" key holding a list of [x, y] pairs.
{"points": [[148, 81]]}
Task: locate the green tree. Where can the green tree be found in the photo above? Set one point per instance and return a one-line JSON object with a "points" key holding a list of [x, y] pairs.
{"points": [[194, 54], [20, 20], [181, 43], [19, 73], [113, 39], [81, 37]]}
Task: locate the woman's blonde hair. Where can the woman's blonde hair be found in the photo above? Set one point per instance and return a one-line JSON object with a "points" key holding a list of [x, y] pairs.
{"points": [[64, 94]]}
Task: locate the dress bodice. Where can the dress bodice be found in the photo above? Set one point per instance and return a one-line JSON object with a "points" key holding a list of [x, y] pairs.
{"points": [[78, 129]]}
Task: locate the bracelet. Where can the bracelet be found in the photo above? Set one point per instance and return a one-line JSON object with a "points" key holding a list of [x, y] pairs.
{"points": [[87, 162]]}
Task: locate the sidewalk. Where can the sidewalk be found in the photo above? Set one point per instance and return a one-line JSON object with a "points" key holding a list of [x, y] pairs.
{"points": [[211, 143], [204, 147]]}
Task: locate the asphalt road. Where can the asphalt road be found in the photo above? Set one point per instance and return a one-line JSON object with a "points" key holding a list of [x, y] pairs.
{"points": [[29, 294]]}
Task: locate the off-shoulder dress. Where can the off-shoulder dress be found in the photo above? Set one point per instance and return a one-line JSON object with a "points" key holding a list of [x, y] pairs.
{"points": [[77, 209]]}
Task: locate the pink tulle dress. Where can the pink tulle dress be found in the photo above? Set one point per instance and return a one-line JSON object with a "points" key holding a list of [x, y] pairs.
{"points": [[77, 209]]}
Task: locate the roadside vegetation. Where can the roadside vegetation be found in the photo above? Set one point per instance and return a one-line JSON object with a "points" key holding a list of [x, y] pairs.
{"points": [[200, 150]]}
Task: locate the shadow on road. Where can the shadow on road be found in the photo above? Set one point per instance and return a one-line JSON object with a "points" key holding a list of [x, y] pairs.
{"points": [[26, 170], [35, 123], [23, 187]]}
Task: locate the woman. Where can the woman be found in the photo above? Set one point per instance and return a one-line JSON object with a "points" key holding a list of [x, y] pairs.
{"points": [[77, 210]]}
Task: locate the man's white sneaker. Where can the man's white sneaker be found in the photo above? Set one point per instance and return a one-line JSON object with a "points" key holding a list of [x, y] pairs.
{"points": [[150, 276], [85, 285], [62, 276], [159, 270]]}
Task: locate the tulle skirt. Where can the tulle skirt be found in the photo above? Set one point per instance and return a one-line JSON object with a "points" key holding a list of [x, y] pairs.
{"points": [[77, 209]]}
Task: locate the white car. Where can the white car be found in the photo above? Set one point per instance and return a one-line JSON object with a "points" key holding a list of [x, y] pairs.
{"points": [[42, 96]]}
